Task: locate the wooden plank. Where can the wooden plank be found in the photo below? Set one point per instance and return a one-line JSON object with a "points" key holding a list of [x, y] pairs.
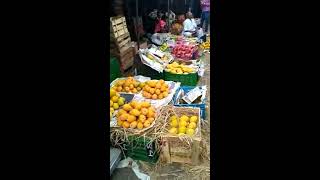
{"points": [[117, 20], [195, 152], [124, 42], [166, 152], [119, 38], [179, 159]]}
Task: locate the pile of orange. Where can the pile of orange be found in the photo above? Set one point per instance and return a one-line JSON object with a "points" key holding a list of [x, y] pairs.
{"points": [[155, 89], [129, 85], [136, 115]]}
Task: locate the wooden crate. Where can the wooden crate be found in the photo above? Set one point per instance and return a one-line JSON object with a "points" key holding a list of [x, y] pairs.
{"points": [[124, 51], [176, 150], [126, 58], [118, 26]]}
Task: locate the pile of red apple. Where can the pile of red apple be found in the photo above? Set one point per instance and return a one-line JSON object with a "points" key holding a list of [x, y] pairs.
{"points": [[184, 51]]}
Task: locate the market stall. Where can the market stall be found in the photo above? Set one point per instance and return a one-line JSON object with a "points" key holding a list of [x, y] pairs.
{"points": [[159, 114]]}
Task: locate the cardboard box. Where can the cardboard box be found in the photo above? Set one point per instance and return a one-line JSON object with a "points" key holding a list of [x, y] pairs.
{"points": [[143, 45]]}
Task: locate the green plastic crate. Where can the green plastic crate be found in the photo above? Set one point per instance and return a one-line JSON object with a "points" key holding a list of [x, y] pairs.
{"points": [[185, 79], [114, 69], [140, 148]]}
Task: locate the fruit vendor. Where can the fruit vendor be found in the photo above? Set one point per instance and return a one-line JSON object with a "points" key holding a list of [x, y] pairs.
{"points": [[160, 24], [189, 25]]}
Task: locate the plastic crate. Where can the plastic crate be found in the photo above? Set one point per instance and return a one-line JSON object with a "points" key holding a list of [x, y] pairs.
{"points": [[114, 69], [185, 79], [147, 71], [141, 148], [186, 89]]}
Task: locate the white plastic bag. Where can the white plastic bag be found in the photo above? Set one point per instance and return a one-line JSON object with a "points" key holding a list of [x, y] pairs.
{"points": [[128, 162]]}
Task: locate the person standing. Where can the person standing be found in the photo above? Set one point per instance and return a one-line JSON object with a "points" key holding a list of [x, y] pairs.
{"points": [[205, 7]]}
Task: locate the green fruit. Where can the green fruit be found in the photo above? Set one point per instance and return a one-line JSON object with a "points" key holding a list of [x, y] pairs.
{"points": [[120, 102], [115, 105]]}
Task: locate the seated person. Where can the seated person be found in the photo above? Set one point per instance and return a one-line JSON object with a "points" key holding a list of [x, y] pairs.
{"points": [[189, 25], [160, 24]]}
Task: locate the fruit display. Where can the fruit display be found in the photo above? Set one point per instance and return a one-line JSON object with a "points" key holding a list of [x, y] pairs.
{"points": [[176, 68], [136, 115], [164, 47], [116, 101], [183, 125], [155, 89], [129, 85], [176, 29], [184, 51], [205, 45]]}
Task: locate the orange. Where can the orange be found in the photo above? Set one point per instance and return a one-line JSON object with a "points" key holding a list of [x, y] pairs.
{"points": [[165, 94], [127, 89], [152, 90], [140, 125], [119, 122], [150, 119], [134, 90], [135, 112], [160, 96], [146, 88], [127, 107], [145, 104], [131, 118], [119, 89], [161, 81], [158, 86], [133, 124], [133, 103], [123, 117], [151, 109], [163, 88], [152, 84], [138, 88], [120, 112], [144, 111], [158, 91], [138, 106], [131, 86], [154, 96], [149, 96], [146, 124], [151, 114], [136, 84], [142, 118], [125, 124], [120, 82], [145, 94]]}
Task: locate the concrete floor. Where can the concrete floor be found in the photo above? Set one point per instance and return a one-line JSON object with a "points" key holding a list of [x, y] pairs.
{"points": [[179, 171]]}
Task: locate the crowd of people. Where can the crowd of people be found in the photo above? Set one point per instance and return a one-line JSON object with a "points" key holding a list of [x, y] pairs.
{"points": [[184, 24]]}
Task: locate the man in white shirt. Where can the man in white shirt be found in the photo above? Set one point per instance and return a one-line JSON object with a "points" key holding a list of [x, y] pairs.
{"points": [[189, 25]]}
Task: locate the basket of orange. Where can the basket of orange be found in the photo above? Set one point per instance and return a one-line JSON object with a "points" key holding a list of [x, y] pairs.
{"points": [[155, 89], [127, 85], [136, 116]]}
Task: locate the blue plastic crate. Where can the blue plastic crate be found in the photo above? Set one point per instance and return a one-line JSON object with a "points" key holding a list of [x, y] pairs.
{"points": [[186, 89]]}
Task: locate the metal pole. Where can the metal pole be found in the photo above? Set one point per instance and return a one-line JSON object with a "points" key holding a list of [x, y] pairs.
{"points": [[137, 31], [168, 20]]}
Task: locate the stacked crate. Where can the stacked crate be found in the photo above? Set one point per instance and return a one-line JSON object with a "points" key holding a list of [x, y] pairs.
{"points": [[120, 42]]}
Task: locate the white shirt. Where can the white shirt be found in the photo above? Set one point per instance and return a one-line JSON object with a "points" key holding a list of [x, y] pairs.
{"points": [[189, 25]]}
